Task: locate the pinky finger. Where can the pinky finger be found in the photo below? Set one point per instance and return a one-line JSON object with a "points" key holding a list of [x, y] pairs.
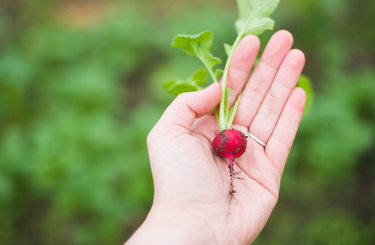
{"points": [[282, 137]]}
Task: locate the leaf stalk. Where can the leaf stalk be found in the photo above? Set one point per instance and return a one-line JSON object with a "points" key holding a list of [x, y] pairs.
{"points": [[224, 119]]}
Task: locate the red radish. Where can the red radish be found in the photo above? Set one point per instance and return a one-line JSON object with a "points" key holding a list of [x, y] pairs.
{"points": [[231, 144]]}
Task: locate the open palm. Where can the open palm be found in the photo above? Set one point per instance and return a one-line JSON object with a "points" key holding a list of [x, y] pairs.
{"points": [[192, 184]]}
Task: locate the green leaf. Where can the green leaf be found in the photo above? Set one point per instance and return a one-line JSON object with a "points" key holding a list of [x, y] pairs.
{"points": [[193, 83], [189, 42], [218, 73], [179, 86], [253, 16], [227, 48], [199, 77], [198, 45], [305, 83]]}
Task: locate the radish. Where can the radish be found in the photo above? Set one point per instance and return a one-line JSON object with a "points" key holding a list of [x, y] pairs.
{"points": [[253, 19], [231, 144]]}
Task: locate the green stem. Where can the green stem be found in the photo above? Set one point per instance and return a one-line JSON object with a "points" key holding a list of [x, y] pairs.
{"points": [[222, 120], [234, 110], [211, 73], [216, 115], [209, 69], [215, 80]]}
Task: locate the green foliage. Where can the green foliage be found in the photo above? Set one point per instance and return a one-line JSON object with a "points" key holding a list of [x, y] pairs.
{"points": [[198, 45], [193, 83], [195, 45], [70, 153], [305, 83], [253, 19], [253, 16]]}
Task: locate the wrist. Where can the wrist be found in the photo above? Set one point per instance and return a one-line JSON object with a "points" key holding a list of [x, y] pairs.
{"points": [[169, 225]]}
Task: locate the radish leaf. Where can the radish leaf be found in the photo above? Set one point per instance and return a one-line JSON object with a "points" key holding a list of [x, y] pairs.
{"points": [[198, 45], [305, 83], [253, 16], [189, 43], [200, 77], [227, 48], [253, 19], [218, 73], [193, 83]]}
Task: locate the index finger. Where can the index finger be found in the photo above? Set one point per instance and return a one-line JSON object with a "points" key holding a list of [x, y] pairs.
{"points": [[242, 61], [263, 76]]}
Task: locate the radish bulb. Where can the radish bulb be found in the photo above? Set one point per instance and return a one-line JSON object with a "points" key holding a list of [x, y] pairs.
{"points": [[231, 144]]}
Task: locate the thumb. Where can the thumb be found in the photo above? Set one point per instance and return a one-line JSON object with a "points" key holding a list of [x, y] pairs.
{"points": [[182, 112]]}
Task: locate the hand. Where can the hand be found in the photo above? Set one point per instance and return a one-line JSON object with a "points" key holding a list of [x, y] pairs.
{"points": [[191, 204]]}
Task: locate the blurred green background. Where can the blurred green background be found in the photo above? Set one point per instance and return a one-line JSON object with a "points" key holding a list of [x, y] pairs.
{"points": [[80, 88]]}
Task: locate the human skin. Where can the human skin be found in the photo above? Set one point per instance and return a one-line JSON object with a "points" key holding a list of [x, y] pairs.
{"points": [[191, 204]]}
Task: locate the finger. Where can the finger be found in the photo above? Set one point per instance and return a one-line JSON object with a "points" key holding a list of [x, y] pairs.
{"points": [[282, 138], [272, 106], [182, 112], [242, 61], [262, 77]]}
